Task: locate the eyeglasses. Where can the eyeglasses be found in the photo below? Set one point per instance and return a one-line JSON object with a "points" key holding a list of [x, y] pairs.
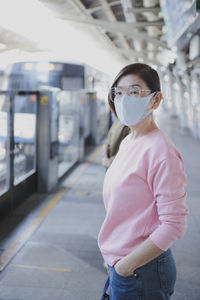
{"points": [[131, 90]]}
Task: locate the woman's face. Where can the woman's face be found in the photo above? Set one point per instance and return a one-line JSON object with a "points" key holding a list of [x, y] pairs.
{"points": [[132, 79]]}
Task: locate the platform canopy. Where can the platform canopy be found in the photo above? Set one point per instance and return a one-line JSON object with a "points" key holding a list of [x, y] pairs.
{"points": [[95, 31]]}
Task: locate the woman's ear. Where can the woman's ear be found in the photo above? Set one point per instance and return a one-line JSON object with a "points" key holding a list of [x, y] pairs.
{"points": [[156, 100]]}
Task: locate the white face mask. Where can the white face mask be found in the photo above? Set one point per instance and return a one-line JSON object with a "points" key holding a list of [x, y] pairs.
{"points": [[131, 110]]}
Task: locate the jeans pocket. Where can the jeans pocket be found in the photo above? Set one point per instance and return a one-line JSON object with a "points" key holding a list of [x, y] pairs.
{"points": [[167, 273], [125, 287], [123, 277]]}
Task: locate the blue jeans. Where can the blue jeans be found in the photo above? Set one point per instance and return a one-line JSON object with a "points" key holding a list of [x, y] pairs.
{"points": [[153, 281]]}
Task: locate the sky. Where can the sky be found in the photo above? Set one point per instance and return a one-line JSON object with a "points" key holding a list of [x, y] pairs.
{"points": [[34, 21]]}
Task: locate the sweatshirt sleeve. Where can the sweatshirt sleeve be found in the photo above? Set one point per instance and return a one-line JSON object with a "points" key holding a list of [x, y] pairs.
{"points": [[167, 182]]}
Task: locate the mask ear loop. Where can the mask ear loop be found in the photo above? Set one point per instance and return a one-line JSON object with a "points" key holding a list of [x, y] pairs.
{"points": [[153, 96]]}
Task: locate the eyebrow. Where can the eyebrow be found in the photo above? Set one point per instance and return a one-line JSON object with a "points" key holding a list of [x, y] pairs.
{"points": [[131, 85]]}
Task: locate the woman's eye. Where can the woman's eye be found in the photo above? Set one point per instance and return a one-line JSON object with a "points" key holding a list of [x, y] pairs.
{"points": [[133, 92], [118, 93]]}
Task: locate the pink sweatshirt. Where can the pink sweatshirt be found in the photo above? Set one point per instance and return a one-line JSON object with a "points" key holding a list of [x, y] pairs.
{"points": [[144, 196]]}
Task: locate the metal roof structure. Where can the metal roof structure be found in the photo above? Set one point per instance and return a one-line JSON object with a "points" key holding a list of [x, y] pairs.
{"points": [[135, 30], [133, 27]]}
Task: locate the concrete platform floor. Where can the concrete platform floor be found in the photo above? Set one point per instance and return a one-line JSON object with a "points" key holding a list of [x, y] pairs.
{"points": [[61, 259]]}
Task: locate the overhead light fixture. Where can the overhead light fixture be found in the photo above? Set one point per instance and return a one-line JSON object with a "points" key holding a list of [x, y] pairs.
{"points": [[176, 86], [186, 95], [166, 78]]}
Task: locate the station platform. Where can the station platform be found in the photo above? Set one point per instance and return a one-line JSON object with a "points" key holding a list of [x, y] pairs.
{"points": [[53, 254]]}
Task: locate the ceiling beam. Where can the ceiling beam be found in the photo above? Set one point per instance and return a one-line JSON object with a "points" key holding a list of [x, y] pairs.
{"points": [[114, 3], [14, 40], [7, 49], [125, 28], [79, 7], [139, 54], [139, 10], [94, 8], [108, 11], [143, 51], [136, 10], [63, 10]]}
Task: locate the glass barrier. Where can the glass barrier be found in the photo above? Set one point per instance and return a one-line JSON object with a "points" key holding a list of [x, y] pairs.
{"points": [[25, 108], [68, 130], [4, 144]]}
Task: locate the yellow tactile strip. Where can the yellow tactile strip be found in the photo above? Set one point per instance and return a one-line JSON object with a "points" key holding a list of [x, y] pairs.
{"points": [[40, 268], [21, 239]]}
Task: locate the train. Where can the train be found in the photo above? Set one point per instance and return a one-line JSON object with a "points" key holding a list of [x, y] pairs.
{"points": [[51, 114]]}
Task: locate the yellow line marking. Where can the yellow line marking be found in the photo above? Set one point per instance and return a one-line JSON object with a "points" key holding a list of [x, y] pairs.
{"points": [[84, 166], [12, 250], [41, 268], [7, 255], [44, 212]]}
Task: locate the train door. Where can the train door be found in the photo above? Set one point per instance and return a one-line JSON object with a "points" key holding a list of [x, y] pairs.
{"points": [[71, 83]]}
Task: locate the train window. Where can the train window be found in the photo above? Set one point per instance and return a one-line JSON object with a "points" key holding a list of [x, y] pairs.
{"points": [[25, 104], [4, 144], [71, 83], [57, 67], [24, 136]]}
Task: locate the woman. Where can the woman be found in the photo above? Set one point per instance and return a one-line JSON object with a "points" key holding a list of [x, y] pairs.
{"points": [[143, 193]]}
